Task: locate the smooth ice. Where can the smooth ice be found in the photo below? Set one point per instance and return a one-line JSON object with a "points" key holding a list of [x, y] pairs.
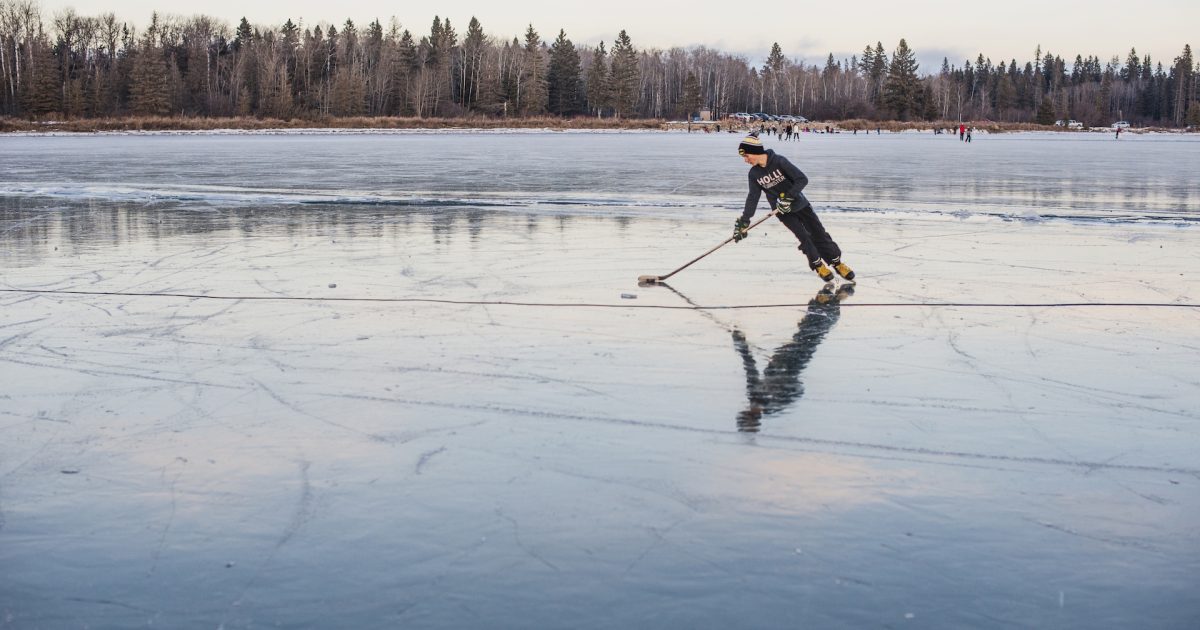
{"points": [[405, 380]]}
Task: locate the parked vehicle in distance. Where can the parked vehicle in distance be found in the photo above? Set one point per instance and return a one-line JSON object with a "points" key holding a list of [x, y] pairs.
{"points": [[1069, 124], [1120, 124], [765, 117]]}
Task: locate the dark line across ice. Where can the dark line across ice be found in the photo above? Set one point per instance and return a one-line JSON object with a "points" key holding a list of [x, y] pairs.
{"points": [[200, 296]]}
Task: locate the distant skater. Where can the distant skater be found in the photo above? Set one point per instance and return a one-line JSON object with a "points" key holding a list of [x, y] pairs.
{"points": [[969, 130], [1118, 133], [784, 184], [962, 131]]}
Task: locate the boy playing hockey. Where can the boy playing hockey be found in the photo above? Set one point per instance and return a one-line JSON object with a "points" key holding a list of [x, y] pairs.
{"points": [[783, 182]]}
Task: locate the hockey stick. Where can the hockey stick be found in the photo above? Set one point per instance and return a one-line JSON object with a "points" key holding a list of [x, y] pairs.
{"points": [[645, 280]]}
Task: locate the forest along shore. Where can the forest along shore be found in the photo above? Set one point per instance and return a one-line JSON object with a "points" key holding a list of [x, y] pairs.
{"points": [[190, 123]]}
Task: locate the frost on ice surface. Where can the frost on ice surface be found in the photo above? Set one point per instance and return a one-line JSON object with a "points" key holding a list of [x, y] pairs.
{"points": [[995, 427]]}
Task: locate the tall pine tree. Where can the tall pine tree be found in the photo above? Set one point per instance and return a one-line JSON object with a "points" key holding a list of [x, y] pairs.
{"points": [[903, 91], [1183, 82], [625, 77], [42, 90], [772, 76], [690, 102], [149, 94], [598, 92], [563, 77], [531, 97]]}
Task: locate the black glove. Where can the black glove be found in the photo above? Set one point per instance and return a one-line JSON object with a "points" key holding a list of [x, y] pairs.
{"points": [[783, 205], [740, 229]]}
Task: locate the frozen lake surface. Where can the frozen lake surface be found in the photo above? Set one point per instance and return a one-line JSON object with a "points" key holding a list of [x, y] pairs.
{"points": [[408, 380]]}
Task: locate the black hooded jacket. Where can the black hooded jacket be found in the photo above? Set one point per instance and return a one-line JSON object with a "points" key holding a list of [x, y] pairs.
{"points": [[778, 176]]}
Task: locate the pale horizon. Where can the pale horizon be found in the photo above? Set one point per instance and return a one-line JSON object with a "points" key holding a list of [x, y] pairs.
{"points": [[937, 30]]}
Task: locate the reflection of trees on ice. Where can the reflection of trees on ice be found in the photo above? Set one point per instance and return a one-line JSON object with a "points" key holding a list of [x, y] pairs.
{"points": [[779, 384]]}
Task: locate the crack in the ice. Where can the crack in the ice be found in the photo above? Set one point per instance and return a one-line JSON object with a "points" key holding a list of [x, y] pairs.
{"points": [[23, 322], [516, 531], [95, 372], [994, 380], [425, 457], [286, 403], [110, 602], [300, 516], [1136, 544], [162, 538], [532, 378], [533, 413], [659, 540]]}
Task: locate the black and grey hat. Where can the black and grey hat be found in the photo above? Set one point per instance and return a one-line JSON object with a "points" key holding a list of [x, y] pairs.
{"points": [[752, 145]]}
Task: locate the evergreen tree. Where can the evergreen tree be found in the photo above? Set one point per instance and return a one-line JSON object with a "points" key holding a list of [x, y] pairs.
{"points": [[563, 77], [1183, 80], [771, 74], [432, 54], [902, 92], [878, 74], [348, 95], [598, 92], [867, 62], [1045, 112], [42, 91], [928, 103], [1006, 94], [407, 63], [1133, 66], [624, 77], [445, 44], [1193, 115], [244, 34], [532, 97], [690, 102], [149, 91], [775, 59]]}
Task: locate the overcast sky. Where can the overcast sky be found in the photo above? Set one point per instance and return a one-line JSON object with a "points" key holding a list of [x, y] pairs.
{"points": [[936, 29]]}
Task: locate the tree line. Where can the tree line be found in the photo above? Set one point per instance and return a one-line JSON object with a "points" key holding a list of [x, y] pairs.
{"points": [[99, 66]]}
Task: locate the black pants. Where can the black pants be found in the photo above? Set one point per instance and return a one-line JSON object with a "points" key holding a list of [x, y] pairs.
{"points": [[815, 242]]}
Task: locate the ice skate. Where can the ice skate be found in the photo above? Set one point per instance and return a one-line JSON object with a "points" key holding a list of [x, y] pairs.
{"points": [[843, 270]]}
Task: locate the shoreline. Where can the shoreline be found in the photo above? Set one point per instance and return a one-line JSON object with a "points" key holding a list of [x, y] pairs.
{"points": [[10, 125], [195, 125]]}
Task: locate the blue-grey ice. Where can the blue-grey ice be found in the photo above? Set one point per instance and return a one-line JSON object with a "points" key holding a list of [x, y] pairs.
{"points": [[394, 380]]}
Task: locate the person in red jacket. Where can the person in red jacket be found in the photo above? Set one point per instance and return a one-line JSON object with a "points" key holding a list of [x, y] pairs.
{"points": [[784, 184]]}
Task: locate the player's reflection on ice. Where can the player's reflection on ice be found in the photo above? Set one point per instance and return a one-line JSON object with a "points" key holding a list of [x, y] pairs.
{"points": [[780, 383]]}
